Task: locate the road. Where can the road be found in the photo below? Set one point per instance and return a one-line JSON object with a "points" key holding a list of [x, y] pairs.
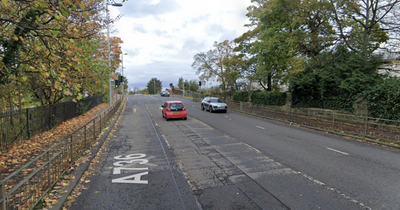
{"points": [[233, 161]]}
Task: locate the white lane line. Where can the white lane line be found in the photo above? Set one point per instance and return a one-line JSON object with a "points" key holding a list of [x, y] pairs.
{"points": [[227, 117], [334, 150], [134, 110], [260, 127]]}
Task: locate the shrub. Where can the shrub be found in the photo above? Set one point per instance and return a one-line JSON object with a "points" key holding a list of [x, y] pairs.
{"points": [[241, 96], [383, 99], [269, 98]]}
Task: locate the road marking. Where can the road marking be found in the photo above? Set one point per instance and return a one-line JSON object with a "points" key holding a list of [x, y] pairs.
{"points": [[334, 150], [227, 117], [260, 127], [134, 110], [127, 163]]}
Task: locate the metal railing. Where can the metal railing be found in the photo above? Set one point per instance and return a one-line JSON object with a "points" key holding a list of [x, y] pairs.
{"points": [[17, 125], [24, 188], [363, 126]]}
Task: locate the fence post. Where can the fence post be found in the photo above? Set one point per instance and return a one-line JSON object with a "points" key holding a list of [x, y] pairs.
{"points": [[48, 170], [3, 197], [333, 121], [48, 117], [241, 106], [94, 129], [85, 137], [366, 125], [28, 129], [72, 149]]}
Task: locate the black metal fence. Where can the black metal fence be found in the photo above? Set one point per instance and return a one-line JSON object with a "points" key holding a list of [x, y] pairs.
{"points": [[22, 124], [24, 188]]}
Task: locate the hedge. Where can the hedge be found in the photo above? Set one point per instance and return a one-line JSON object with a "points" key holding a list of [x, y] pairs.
{"points": [[241, 96], [269, 98]]}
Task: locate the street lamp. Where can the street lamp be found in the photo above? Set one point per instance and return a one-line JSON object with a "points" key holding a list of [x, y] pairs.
{"points": [[123, 86], [106, 2]]}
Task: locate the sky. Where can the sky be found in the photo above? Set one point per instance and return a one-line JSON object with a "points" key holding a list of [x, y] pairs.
{"points": [[161, 37]]}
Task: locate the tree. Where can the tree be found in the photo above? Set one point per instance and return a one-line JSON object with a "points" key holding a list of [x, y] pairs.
{"points": [[218, 63], [335, 80], [180, 83], [154, 86], [51, 51], [359, 23], [193, 85], [282, 35]]}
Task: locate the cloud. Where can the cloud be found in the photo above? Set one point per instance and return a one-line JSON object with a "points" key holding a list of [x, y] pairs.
{"points": [[143, 8], [162, 36], [140, 28]]}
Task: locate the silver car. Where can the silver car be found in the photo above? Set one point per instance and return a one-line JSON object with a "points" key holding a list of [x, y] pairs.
{"points": [[164, 93], [214, 104]]}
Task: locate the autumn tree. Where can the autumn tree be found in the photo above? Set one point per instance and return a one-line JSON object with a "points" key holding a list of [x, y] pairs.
{"points": [[218, 64], [52, 50]]}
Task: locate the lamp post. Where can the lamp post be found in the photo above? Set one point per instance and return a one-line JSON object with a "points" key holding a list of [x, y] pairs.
{"points": [[122, 73], [106, 2]]}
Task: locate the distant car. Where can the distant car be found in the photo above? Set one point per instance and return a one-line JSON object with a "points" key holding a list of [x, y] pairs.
{"points": [[214, 104], [174, 109], [164, 93]]}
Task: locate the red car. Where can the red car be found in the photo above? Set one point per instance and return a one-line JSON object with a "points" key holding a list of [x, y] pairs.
{"points": [[174, 109]]}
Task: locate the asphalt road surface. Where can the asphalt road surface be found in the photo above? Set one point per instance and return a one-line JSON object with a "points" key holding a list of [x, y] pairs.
{"points": [[234, 161]]}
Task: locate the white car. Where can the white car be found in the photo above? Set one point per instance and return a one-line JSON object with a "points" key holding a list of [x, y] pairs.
{"points": [[214, 104]]}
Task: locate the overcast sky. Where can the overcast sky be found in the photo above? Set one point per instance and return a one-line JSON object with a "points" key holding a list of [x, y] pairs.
{"points": [[162, 36]]}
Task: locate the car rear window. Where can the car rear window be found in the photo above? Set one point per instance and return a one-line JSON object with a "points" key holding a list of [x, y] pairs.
{"points": [[175, 106]]}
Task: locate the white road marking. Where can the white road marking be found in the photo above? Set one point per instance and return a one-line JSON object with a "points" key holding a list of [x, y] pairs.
{"points": [[260, 127], [334, 150], [134, 110], [227, 117]]}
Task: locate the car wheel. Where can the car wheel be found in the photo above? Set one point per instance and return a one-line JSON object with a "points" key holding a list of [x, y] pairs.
{"points": [[211, 109], [225, 111], [202, 107], [185, 118]]}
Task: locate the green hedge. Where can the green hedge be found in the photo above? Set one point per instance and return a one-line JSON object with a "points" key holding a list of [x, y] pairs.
{"points": [[241, 96], [383, 99], [269, 98]]}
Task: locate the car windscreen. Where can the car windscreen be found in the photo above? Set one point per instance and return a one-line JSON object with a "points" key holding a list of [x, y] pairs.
{"points": [[176, 106], [216, 100]]}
